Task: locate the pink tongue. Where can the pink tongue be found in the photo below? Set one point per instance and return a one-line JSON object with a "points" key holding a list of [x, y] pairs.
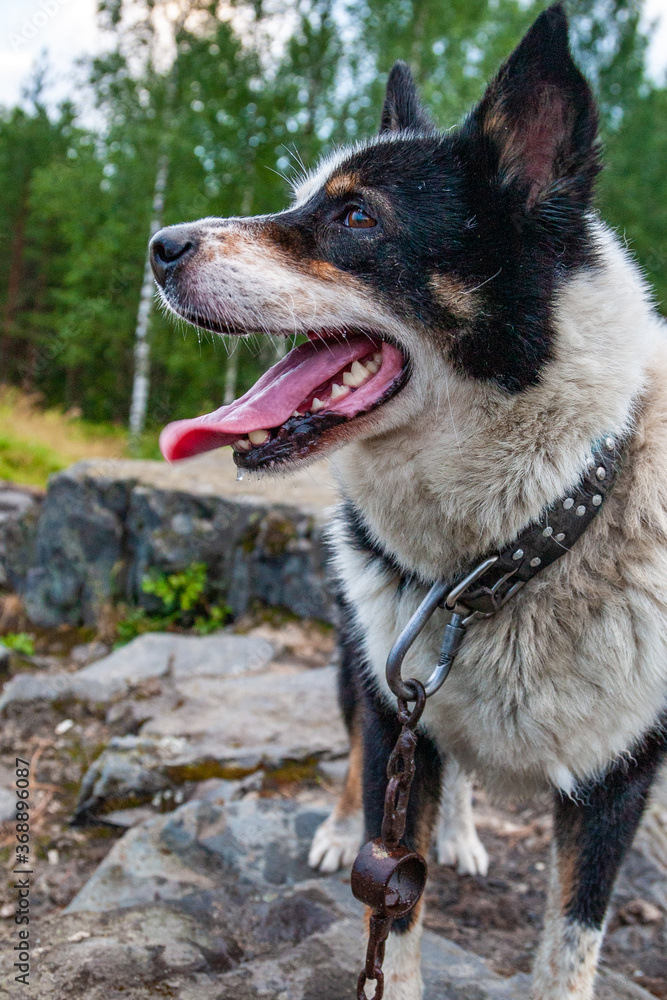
{"points": [[277, 394]]}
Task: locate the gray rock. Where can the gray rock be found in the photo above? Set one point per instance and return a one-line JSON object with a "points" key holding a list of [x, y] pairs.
{"points": [[78, 563], [220, 791], [613, 986], [35, 687], [7, 805], [127, 818], [104, 524], [266, 719], [157, 654], [216, 727], [149, 656], [217, 903], [88, 652], [260, 846], [200, 846], [132, 770], [138, 954], [203, 846], [206, 946], [19, 514], [325, 966]]}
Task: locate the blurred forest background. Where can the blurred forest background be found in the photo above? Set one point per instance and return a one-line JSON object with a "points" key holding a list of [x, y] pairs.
{"points": [[247, 92]]}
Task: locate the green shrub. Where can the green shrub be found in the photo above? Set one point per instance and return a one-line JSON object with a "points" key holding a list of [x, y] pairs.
{"points": [[179, 592], [20, 642], [184, 605]]}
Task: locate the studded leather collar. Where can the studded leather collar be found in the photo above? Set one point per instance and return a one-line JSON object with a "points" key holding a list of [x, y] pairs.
{"points": [[540, 544], [537, 546], [497, 578]]}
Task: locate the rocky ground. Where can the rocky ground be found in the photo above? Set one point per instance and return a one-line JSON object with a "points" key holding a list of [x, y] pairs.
{"points": [[197, 770]]}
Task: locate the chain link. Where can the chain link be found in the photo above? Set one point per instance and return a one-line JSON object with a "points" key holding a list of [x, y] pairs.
{"points": [[400, 772], [378, 933], [401, 769]]}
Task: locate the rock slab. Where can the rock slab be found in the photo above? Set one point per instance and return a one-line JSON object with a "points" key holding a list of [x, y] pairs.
{"points": [[192, 708], [215, 902], [104, 524], [150, 656], [20, 508]]}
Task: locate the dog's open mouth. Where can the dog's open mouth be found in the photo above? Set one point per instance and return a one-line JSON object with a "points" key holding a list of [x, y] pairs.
{"points": [[294, 407]]}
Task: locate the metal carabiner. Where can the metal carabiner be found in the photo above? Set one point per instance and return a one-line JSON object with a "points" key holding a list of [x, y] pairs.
{"points": [[439, 596]]}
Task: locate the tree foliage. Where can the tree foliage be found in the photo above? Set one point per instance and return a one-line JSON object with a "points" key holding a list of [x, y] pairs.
{"points": [[251, 91]]}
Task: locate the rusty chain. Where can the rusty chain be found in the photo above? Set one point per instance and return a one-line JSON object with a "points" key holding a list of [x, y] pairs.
{"points": [[386, 875], [401, 770], [378, 932]]}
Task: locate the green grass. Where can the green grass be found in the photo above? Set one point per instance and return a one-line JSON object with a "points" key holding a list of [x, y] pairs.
{"points": [[35, 442], [27, 462]]}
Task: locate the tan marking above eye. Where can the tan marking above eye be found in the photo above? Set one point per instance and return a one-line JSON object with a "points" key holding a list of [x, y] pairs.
{"points": [[342, 185], [453, 295]]}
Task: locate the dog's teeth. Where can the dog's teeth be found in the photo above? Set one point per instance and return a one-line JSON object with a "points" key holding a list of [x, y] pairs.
{"points": [[258, 437], [296, 414], [339, 390], [242, 444], [356, 375], [378, 357], [372, 366], [316, 405]]}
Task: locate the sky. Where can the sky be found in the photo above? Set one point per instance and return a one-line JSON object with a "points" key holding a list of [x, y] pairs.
{"points": [[65, 28], [68, 28]]}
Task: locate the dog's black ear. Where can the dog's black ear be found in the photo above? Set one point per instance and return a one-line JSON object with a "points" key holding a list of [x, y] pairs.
{"points": [[402, 107], [538, 119]]}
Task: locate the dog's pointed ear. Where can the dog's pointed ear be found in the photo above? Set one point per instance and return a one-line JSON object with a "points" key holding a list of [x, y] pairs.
{"points": [[402, 107], [538, 117]]}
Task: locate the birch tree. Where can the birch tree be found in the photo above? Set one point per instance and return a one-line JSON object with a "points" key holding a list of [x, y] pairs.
{"points": [[140, 383]]}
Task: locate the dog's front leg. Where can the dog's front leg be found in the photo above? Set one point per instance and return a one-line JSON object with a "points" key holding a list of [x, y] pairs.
{"points": [[592, 833], [458, 843], [402, 955], [338, 839]]}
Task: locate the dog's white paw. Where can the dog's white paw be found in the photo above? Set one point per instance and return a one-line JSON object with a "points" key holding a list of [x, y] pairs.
{"points": [[336, 842], [463, 850]]}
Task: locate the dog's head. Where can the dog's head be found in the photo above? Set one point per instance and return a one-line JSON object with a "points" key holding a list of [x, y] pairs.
{"points": [[403, 258]]}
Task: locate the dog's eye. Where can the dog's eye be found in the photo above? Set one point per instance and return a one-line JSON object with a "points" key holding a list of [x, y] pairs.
{"points": [[356, 218]]}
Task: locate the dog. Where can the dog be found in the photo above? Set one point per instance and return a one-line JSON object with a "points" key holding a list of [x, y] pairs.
{"points": [[474, 330]]}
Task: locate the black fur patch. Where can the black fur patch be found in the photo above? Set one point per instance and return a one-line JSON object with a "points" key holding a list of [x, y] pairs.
{"points": [[360, 538], [596, 826], [352, 664]]}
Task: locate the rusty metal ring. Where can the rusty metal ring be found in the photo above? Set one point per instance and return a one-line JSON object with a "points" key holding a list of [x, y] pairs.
{"points": [[417, 694], [379, 987]]}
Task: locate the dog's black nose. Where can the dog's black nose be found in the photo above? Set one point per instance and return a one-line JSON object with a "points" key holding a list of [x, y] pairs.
{"points": [[168, 247]]}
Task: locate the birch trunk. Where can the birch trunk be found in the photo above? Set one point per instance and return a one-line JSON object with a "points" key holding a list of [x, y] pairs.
{"points": [[140, 383], [231, 374]]}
